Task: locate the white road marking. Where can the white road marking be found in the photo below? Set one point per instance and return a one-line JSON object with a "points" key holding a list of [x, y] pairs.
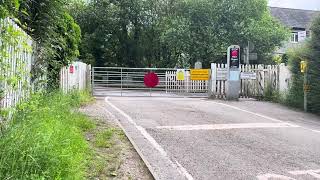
{"points": [[253, 113], [228, 126], [263, 116], [314, 173], [184, 171], [152, 141]]}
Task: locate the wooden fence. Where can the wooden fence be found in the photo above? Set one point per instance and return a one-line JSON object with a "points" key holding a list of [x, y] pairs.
{"points": [[256, 80], [265, 78], [16, 61], [76, 76]]}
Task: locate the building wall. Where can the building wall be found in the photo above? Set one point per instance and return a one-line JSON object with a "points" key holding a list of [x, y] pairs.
{"points": [[301, 36]]}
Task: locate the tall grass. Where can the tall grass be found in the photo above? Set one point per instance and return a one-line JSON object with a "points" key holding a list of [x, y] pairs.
{"points": [[45, 139]]}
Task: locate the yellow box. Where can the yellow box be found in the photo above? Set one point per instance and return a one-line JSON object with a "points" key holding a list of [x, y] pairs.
{"points": [[303, 66]]}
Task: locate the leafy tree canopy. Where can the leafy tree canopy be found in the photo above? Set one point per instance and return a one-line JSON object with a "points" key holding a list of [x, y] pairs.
{"points": [[172, 33], [8, 7], [56, 33]]}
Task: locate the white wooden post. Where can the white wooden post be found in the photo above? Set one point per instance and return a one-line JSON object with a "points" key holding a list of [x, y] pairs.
{"points": [[213, 79]]}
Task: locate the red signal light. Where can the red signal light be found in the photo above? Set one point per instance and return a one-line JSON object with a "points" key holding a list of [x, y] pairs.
{"points": [[234, 53]]}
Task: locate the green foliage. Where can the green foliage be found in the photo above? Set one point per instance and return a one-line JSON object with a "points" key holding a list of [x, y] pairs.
{"points": [[295, 96], [309, 53], [8, 7], [273, 95], [173, 33], [81, 98], [314, 68], [17, 42], [56, 33], [45, 140], [103, 138]]}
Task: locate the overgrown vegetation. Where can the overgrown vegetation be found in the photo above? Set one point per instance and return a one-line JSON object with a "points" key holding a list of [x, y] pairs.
{"points": [[109, 144], [295, 96], [45, 139], [173, 33], [314, 69], [54, 31], [309, 53], [103, 138], [13, 42], [57, 36]]}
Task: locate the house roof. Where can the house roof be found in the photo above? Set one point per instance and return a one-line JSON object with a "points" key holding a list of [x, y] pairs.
{"points": [[294, 18]]}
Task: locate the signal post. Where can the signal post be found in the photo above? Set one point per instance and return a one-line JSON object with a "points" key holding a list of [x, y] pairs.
{"points": [[233, 82]]}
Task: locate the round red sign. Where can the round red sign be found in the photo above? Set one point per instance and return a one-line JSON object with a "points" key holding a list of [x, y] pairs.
{"points": [[151, 80]]}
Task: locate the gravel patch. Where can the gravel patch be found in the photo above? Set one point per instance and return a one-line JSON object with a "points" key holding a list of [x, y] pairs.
{"points": [[120, 160]]}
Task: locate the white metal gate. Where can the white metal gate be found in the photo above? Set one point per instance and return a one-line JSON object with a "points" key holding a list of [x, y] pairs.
{"points": [[116, 81]]}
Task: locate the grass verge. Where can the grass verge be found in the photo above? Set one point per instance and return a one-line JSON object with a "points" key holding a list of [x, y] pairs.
{"points": [[107, 145], [45, 139]]}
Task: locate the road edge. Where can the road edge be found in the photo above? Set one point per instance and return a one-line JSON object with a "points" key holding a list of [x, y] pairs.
{"points": [[144, 159]]}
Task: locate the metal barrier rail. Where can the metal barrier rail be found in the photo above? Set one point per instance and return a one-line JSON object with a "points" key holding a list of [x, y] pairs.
{"points": [[115, 81]]}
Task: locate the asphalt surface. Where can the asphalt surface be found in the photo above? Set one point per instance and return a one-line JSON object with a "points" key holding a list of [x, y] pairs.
{"points": [[193, 138]]}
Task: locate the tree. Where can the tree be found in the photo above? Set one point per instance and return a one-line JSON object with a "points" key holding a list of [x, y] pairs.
{"points": [[8, 7], [168, 33], [56, 33]]}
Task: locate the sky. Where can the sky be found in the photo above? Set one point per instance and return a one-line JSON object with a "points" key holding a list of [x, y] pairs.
{"points": [[297, 4]]}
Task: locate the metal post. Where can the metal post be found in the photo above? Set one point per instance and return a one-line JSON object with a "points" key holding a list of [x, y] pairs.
{"points": [[121, 82], [248, 53], [305, 90], [209, 84], [92, 76]]}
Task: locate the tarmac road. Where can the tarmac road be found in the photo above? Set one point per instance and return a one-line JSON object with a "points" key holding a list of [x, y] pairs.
{"points": [[188, 138]]}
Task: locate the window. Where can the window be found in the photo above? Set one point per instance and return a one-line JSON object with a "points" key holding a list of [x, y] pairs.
{"points": [[294, 37]]}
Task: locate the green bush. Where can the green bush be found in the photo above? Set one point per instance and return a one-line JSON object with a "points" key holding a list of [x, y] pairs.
{"points": [[314, 68], [271, 94], [309, 53], [45, 140], [295, 96]]}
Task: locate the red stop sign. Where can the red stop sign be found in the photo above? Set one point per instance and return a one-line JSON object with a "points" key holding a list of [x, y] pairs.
{"points": [[151, 80]]}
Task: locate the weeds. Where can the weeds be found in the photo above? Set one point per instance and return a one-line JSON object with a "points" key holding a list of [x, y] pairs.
{"points": [[45, 139], [103, 138]]}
